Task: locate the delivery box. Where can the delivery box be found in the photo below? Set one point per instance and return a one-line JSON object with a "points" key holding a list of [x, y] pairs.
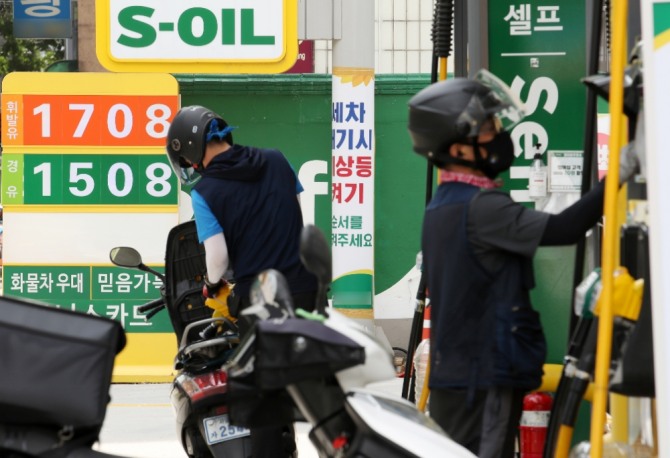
{"points": [[55, 365]]}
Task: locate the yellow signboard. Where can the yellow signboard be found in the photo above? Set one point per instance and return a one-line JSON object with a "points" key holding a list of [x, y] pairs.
{"points": [[84, 170], [198, 36]]}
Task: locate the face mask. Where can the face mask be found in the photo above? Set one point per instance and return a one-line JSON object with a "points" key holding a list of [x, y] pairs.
{"points": [[500, 155]]}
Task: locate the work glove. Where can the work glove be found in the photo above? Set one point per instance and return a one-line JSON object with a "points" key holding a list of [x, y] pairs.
{"points": [[217, 299], [212, 289], [633, 154], [629, 164]]}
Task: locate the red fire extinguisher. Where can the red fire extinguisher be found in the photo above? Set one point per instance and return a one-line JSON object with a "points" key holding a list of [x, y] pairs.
{"points": [[534, 423]]}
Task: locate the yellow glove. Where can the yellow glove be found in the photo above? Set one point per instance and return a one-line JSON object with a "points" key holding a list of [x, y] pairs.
{"points": [[219, 303]]}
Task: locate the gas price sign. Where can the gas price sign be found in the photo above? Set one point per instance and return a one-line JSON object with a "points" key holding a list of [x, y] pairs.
{"points": [[84, 170], [88, 179], [88, 120], [198, 36], [85, 149]]}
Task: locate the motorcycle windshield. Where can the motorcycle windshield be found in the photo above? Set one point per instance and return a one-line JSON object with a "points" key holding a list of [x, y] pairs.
{"points": [[185, 270]]}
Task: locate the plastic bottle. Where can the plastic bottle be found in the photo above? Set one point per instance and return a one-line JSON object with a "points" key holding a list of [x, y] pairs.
{"points": [[613, 450], [420, 364], [419, 260], [537, 179]]}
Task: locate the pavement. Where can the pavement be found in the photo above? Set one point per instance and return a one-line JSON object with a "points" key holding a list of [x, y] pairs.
{"points": [[140, 422]]}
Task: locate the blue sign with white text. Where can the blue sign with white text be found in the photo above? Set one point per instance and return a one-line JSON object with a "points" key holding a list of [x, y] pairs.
{"points": [[42, 19]]}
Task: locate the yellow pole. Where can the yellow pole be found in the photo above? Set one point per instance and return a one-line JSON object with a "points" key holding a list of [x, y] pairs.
{"points": [[619, 410], [611, 230], [443, 68], [563, 441], [423, 400], [619, 403]]}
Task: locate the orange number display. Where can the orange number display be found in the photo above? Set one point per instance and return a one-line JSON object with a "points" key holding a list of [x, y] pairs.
{"points": [[88, 120]]}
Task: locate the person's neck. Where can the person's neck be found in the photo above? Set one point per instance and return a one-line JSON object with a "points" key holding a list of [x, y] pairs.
{"points": [[478, 180], [214, 149]]}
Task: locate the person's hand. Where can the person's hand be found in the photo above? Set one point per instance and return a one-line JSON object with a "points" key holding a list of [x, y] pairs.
{"points": [[629, 163], [212, 289], [219, 301]]}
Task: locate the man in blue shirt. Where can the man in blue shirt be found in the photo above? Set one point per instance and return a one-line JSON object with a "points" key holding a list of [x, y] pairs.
{"points": [[248, 217]]}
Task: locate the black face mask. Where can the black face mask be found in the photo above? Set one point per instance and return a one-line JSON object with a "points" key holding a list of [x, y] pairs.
{"points": [[500, 155]]}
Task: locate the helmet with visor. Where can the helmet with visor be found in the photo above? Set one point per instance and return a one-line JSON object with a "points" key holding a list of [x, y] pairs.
{"points": [[187, 138], [457, 111]]}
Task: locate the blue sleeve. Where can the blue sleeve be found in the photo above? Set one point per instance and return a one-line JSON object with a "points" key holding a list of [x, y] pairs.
{"points": [[205, 221]]}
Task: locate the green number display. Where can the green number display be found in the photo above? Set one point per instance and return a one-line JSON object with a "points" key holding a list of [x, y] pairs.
{"points": [[75, 179]]}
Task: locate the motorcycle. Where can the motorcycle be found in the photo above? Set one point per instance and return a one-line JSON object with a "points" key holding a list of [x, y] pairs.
{"points": [[56, 368], [326, 362], [200, 387]]}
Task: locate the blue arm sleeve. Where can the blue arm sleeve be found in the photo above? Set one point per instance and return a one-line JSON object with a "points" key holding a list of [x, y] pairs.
{"points": [[205, 221]]}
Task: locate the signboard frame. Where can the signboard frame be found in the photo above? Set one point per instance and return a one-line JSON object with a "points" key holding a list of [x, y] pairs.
{"points": [[230, 23]]}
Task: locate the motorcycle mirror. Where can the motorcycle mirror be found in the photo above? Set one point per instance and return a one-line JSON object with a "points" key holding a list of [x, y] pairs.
{"points": [[124, 256], [270, 297], [130, 258], [315, 255]]}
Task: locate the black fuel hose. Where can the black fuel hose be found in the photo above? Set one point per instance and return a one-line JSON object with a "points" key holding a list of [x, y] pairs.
{"points": [[574, 388], [575, 350], [443, 23], [443, 13], [578, 382]]}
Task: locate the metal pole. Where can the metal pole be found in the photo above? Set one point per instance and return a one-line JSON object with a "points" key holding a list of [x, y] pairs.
{"points": [[356, 47], [477, 36], [71, 43]]}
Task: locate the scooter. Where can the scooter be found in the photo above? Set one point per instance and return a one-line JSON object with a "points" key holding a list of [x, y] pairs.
{"points": [[326, 362], [56, 368], [199, 389]]}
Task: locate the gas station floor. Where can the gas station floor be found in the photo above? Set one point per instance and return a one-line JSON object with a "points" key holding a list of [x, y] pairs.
{"points": [[140, 422]]}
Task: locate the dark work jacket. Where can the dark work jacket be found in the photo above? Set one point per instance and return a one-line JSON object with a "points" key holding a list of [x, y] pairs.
{"points": [[484, 331], [252, 193]]}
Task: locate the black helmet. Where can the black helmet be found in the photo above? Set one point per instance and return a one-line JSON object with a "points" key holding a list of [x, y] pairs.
{"points": [[454, 110], [187, 140]]}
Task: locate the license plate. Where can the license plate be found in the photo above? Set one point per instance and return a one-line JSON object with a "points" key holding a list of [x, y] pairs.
{"points": [[219, 429]]}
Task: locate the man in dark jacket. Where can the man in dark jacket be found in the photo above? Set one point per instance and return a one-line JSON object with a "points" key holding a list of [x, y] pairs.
{"points": [[248, 217], [487, 343]]}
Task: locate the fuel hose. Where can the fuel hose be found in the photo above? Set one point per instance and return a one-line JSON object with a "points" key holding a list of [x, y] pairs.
{"points": [[443, 22], [575, 387], [441, 35], [575, 350]]}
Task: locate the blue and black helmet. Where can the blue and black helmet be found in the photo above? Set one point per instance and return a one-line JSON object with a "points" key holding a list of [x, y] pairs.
{"points": [[191, 129]]}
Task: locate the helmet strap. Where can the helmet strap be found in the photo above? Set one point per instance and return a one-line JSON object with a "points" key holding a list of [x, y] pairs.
{"points": [[465, 162], [479, 160]]}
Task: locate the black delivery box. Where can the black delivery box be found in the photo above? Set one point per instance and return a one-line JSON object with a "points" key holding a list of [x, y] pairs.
{"points": [[55, 365]]}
